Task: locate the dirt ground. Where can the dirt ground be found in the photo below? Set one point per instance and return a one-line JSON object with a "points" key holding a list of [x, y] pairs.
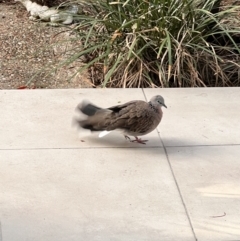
{"points": [[29, 52]]}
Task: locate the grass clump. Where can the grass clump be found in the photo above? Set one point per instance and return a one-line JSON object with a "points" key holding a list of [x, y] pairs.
{"points": [[157, 43]]}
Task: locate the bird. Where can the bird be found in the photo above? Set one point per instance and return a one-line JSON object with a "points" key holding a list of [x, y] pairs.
{"points": [[134, 118]]}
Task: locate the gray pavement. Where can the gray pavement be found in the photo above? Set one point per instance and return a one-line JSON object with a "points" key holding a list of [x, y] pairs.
{"points": [[60, 184]]}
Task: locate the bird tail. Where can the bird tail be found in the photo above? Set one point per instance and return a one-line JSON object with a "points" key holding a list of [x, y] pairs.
{"points": [[93, 118], [88, 108]]}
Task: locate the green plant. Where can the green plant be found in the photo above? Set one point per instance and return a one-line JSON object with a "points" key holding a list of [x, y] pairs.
{"points": [[141, 43]]}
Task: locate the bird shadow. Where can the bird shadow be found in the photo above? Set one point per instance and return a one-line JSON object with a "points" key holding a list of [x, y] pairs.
{"points": [[116, 140], [180, 142]]}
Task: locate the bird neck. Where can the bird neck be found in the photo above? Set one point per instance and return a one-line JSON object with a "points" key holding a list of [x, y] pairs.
{"points": [[154, 108]]}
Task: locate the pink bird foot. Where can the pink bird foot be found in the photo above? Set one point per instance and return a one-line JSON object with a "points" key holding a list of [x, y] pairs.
{"points": [[138, 140]]}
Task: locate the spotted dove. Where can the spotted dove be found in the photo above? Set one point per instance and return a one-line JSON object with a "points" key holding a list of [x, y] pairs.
{"points": [[134, 118]]}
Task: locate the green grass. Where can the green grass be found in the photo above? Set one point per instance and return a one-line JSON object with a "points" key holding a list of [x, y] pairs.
{"points": [[157, 43]]}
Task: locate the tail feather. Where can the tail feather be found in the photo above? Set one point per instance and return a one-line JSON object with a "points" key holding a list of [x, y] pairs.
{"points": [[103, 133], [88, 108], [85, 124], [94, 118]]}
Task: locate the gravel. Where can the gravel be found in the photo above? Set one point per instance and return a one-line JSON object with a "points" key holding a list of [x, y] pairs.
{"points": [[31, 51]]}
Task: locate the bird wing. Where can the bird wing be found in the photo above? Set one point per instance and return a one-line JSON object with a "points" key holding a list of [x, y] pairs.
{"points": [[132, 117]]}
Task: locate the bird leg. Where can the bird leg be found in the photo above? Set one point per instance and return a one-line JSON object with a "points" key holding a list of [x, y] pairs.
{"points": [[127, 138], [138, 140]]}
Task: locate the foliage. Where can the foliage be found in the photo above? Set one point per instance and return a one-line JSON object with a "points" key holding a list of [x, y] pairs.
{"points": [[158, 43]]}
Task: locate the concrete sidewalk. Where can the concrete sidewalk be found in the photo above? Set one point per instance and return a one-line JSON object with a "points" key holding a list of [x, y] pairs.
{"points": [[58, 185]]}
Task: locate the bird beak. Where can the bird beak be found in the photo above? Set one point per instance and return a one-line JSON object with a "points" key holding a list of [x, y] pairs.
{"points": [[164, 105]]}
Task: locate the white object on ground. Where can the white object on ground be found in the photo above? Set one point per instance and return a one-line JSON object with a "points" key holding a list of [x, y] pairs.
{"points": [[51, 15]]}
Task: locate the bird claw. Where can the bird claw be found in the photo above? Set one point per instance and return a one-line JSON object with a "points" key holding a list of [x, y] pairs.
{"points": [[127, 138], [138, 140]]}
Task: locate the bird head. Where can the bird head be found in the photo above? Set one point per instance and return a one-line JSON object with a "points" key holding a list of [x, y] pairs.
{"points": [[158, 100]]}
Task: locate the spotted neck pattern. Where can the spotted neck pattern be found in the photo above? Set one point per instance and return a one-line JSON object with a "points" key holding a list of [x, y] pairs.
{"points": [[153, 107]]}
